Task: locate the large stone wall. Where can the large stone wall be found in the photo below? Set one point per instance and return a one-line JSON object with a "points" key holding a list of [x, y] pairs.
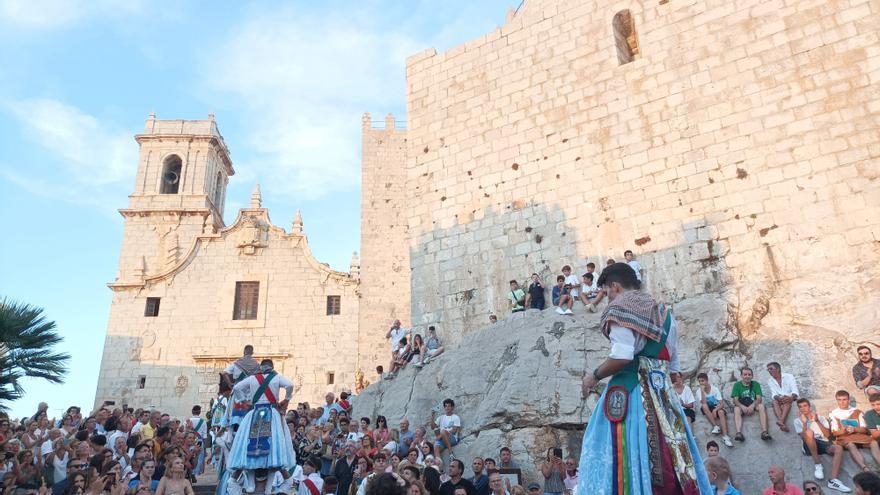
{"points": [[181, 351], [385, 271], [737, 154]]}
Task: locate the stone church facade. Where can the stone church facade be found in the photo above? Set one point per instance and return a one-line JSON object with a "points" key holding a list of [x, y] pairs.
{"points": [[191, 292], [731, 145]]}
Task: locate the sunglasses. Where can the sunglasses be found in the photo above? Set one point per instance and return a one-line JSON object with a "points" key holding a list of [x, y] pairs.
{"points": [[811, 489]]}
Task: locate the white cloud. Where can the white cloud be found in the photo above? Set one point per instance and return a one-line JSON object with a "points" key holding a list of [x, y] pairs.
{"points": [[43, 14], [91, 162], [305, 82]]}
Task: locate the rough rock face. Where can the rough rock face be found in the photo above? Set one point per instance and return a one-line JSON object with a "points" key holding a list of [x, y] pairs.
{"points": [[517, 384]]}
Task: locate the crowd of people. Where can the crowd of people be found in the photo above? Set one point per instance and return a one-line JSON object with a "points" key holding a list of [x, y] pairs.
{"points": [[113, 450], [257, 444]]}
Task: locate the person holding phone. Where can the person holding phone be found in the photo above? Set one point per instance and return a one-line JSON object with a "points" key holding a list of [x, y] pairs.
{"points": [[553, 470]]}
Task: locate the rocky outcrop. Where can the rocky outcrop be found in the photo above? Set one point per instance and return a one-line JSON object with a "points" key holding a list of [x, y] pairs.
{"points": [[517, 384]]}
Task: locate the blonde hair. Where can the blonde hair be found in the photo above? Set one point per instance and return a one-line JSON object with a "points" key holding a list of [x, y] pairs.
{"points": [[719, 466], [517, 490], [422, 489]]}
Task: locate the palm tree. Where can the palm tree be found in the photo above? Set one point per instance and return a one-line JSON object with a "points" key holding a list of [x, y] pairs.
{"points": [[26, 341]]}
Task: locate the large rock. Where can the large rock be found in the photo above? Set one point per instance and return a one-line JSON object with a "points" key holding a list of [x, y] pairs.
{"points": [[517, 384]]}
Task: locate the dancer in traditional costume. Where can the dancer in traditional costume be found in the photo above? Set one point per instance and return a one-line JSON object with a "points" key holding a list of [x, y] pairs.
{"points": [[638, 441], [262, 440], [234, 374]]}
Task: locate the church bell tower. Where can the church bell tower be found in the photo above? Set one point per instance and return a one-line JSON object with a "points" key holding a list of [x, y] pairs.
{"points": [[179, 193]]}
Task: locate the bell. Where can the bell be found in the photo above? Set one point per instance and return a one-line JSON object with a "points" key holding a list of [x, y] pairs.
{"points": [[171, 177]]}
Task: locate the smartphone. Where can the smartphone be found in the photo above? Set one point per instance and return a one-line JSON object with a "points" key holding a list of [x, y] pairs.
{"points": [[109, 402], [557, 453]]}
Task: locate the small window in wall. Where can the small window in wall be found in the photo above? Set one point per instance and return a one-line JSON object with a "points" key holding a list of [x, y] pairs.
{"points": [[334, 305], [247, 295], [171, 175], [331, 377], [625, 37], [152, 308], [142, 381]]}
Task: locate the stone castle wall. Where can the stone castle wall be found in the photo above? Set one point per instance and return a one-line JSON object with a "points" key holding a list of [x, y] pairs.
{"points": [[736, 154], [180, 352], [385, 272]]}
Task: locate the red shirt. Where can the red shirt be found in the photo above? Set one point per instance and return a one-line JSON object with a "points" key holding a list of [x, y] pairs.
{"points": [[789, 490]]}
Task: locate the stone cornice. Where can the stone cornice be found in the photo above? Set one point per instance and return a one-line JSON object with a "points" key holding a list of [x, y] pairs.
{"points": [[143, 212], [296, 241], [226, 357]]}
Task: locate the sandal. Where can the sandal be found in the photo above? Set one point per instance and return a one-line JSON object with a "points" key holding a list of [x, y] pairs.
{"points": [[766, 436], [739, 437]]}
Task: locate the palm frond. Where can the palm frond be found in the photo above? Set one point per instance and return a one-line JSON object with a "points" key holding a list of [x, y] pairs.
{"points": [[26, 342]]}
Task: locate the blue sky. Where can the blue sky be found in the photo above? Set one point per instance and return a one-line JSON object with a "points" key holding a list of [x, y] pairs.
{"points": [[288, 82]]}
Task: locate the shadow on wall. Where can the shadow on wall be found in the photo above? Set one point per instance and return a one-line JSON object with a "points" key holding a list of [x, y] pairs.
{"points": [[461, 273], [460, 276]]}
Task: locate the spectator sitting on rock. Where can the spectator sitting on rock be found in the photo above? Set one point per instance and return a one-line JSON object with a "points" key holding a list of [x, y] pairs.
{"points": [[866, 372], [872, 417], [560, 296], [432, 347], [400, 359], [447, 428], [850, 431], [783, 391], [596, 289], [748, 400], [572, 282], [718, 470], [867, 484], [517, 297], [588, 295], [395, 333], [507, 459], [778, 486], [535, 297], [712, 406], [631, 261], [815, 433], [685, 396]]}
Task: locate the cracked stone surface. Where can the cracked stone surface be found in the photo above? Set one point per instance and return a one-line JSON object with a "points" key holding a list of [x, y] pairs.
{"points": [[517, 383]]}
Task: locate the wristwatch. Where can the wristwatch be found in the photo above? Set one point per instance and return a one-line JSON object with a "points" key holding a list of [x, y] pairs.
{"points": [[596, 375]]}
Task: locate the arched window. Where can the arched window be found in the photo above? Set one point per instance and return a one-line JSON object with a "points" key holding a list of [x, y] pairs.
{"points": [[625, 37], [171, 175], [218, 191]]}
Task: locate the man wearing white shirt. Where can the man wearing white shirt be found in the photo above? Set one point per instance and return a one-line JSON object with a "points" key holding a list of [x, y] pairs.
{"points": [[313, 483], [784, 392], [395, 333]]}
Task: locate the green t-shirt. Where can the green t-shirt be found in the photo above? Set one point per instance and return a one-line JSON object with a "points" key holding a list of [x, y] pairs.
{"points": [[872, 420], [740, 391], [515, 297]]}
